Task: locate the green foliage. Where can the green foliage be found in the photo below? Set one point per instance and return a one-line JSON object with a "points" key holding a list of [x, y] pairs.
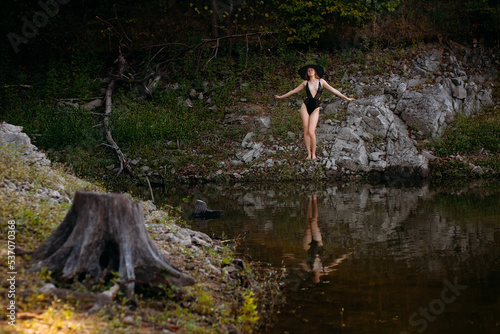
{"points": [[484, 16], [248, 316], [74, 78], [306, 21], [469, 135], [452, 169], [284, 120], [53, 127], [476, 137]]}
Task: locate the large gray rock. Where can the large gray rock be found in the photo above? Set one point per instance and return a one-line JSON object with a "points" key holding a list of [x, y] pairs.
{"points": [[429, 110], [371, 138], [13, 137], [434, 107], [386, 138]]}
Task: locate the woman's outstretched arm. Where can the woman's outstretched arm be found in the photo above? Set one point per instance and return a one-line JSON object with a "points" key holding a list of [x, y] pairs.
{"points": [[334, 91], [296, 90]]}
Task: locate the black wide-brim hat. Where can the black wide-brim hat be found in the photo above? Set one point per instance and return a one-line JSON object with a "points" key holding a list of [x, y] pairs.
{"points": [[320, 71]]}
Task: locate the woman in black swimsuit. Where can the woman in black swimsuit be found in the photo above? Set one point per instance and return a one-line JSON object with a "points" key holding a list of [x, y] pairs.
{"points": [[310, 108]]}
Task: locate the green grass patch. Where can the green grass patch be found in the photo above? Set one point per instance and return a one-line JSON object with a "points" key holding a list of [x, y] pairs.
{"points": [[476, 139], [470, 134]]}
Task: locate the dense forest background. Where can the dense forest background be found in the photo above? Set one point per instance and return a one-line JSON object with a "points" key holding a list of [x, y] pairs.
{"points": [[160, 51], [39, 31]]}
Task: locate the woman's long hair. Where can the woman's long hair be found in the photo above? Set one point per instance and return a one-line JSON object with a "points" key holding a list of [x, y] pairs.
{"points": [[315, 75]]}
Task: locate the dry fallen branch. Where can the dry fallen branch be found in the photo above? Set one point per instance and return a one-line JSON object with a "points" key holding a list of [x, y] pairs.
{"points": [[81, 98], [94, 301], [215, 41], [22, 86]]}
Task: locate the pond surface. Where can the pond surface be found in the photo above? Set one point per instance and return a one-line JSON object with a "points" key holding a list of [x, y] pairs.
{"points": [[367, 258]]}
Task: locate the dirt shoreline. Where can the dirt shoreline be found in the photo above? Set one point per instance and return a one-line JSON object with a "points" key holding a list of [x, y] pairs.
{"points": [[231, 295]]}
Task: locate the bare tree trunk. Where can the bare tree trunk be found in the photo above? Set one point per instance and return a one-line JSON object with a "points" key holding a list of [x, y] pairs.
{"points": [[102, 234], [215, 26], [107, 131]]}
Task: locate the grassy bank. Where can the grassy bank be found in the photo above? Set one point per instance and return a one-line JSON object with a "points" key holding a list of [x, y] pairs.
{"points": [[218, 303], [165, 133], [179, 133], [468, 142]]}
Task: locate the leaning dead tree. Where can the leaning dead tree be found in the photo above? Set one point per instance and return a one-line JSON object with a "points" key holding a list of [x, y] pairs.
{"points": [[107, 113], [104, 235], [146, 76], [122, 65]]}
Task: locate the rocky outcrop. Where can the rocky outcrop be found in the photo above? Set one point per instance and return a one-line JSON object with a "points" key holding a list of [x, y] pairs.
{"points": [[372, 138], [12, 136], [380, 127], [434, 107]]}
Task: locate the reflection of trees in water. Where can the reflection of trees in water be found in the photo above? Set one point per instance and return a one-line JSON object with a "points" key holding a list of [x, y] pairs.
{"points": [[404, 223], [408, 225], [424, 228]]}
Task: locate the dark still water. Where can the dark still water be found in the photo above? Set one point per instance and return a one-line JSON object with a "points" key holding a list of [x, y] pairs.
{"points": [[368, 259]]}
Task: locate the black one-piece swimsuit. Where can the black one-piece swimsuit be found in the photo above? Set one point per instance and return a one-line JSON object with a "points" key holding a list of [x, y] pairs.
{"points": [[312, 102]]}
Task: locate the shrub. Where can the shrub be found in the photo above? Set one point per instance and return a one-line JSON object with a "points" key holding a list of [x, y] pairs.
{"points": [[469, 134]]}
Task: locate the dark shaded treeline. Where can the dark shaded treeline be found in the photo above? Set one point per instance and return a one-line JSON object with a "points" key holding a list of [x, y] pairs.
{"points": [[39, 36], [35, 29]]}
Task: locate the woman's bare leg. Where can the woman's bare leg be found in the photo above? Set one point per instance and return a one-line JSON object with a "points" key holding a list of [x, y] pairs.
{"points": [[305, 123], [315, 231], [307, 232], [313, 123]]}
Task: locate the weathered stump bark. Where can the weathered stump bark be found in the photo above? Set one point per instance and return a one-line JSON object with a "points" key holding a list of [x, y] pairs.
{"points": [[102, 234]]}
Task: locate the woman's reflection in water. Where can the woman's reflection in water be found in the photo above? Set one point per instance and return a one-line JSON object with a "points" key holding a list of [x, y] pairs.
{"points": [[318, 261]]}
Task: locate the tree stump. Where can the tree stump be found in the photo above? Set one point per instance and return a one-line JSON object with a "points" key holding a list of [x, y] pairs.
{"points": [[104, 234]]}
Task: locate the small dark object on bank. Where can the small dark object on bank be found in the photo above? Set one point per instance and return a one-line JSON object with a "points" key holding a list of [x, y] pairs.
{"points": [[201, 211]]}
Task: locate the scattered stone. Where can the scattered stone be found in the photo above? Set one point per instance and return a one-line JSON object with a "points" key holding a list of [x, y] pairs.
{"points": [[477, 170], [429, 156], [93, 104], [12, 135], [201, 211]]}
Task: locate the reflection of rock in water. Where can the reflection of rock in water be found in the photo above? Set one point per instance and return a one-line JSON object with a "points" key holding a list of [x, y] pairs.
{"points": [[408, 228], [203, 214], [380, 221], [202, 211]]}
